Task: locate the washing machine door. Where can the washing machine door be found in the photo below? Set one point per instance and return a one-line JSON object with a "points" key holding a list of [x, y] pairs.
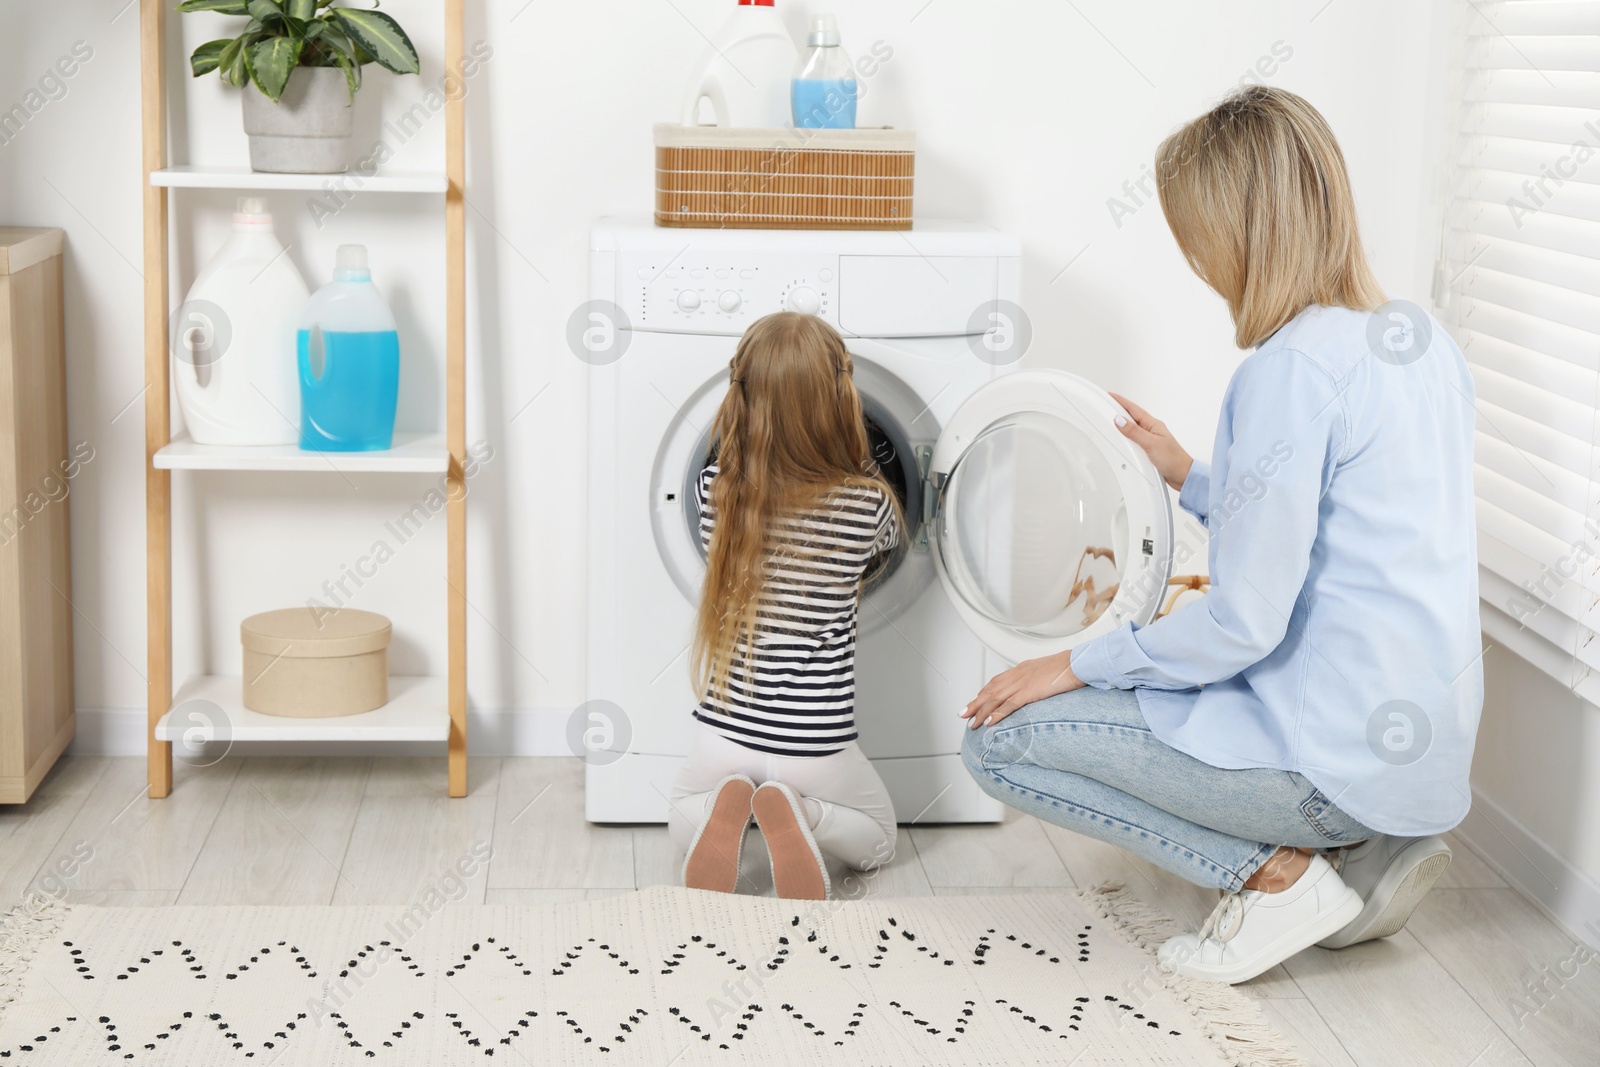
{"points": [[1048, 526]]}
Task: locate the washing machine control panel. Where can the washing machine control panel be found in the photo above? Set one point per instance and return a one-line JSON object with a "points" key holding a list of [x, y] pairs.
{"points": [[723, 294]]}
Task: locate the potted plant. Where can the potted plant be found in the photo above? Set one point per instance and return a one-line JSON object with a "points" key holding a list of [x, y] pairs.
{"points": [[305, 57]]}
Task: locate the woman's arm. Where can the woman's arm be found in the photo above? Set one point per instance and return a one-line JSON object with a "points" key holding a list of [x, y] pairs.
{"points": [[1028, 681], [1194, 495], [1191, 477], [1285, 426]]}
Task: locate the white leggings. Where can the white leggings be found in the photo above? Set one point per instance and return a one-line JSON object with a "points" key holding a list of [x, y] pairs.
{"points": [[849, 810]]}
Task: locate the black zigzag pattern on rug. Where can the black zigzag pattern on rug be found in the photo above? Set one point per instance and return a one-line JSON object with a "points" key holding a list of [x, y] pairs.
{"points": [[553, 1021]]}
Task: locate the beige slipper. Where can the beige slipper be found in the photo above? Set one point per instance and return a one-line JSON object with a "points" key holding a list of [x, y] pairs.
{"points": [[798, 872], [713, 860]]}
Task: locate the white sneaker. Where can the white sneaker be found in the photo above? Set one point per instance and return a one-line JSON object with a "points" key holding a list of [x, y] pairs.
{"points": [[1252, 932], [1392, 875]]}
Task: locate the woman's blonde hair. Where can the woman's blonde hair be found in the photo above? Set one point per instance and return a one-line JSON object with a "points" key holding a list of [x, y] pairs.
{"points": [[1256, 194], [789, 434]]}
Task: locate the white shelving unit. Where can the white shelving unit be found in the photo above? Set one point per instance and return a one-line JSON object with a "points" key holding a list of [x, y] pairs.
{"points": [[185, 177], [414, 713], [419, 709], [413, 453]]}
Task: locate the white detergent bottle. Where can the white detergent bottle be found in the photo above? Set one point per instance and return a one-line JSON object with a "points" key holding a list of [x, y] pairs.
{"points": [[233, 340], [744, 73]]}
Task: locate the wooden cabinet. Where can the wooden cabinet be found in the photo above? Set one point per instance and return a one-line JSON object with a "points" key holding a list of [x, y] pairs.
{"points": [[37, 467]]}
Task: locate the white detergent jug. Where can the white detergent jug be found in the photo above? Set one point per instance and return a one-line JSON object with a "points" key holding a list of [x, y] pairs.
{"points": [[745, 71], [233, 340]]}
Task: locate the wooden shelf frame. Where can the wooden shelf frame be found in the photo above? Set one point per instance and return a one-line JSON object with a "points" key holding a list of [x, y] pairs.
{"points": [[153, 19]]}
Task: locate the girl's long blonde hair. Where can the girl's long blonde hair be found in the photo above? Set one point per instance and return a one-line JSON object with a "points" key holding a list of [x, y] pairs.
{"points": [[788, 434], [1256, 194]]}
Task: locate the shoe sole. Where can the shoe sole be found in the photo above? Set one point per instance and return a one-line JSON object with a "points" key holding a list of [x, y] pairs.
{"points": [[1397, 894], [798, 872], [1289, 945], [713, 860]]}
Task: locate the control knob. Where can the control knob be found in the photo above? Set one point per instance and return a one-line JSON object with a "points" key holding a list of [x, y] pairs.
{"points": [[805, 300]]}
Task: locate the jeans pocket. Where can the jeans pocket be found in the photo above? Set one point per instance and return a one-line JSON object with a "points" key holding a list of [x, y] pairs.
{"points": [[1330, 822]]}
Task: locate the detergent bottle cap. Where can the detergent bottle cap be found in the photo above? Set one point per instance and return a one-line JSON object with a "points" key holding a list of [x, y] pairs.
{"points": [[250, 213], [351, 265], [824, 32]]}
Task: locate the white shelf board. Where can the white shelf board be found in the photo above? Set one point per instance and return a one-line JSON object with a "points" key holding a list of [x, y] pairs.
{"points": [[399, 181], [418, 710], [413, 453]]}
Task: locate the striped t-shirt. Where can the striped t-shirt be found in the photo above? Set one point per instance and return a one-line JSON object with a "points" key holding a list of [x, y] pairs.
{"points": [[798, 698]]}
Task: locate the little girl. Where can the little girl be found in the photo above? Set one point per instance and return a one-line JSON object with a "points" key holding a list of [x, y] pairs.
{"points": [[794, 516]]}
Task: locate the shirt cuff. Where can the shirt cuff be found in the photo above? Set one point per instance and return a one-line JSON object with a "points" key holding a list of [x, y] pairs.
{"points": [[1195, 496], [1091, 662]]}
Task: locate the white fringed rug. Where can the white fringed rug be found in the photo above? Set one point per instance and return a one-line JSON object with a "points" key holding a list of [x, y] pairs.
{"points": [[660, 978]]}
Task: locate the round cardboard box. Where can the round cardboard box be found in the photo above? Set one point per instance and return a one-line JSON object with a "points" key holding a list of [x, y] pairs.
{"points": [[310, 663]]}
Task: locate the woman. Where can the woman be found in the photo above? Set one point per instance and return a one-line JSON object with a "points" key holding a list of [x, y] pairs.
{"points": [[1320, 703]]}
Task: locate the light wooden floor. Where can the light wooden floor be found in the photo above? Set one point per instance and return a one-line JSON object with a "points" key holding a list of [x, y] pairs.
{"points": [[1445, 991]]}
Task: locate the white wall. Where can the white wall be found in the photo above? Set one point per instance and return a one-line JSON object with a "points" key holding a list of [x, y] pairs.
{"points": [[1538, 748]]}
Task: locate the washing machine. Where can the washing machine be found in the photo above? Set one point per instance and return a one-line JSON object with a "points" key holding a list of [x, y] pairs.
{"points": [[1034, 523]]}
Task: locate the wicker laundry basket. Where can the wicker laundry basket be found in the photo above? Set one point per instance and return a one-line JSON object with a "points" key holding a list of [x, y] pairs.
{"points": [[714, 177]]}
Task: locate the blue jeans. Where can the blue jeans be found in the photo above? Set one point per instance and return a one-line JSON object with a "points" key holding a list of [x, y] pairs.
{"points": [[1086, 760]]}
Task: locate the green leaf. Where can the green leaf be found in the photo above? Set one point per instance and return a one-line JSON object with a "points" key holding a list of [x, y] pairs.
{"points": [[381, 36], [235, 68], [301, 9], [263, 10], [327, 46], [352, 72], [272, 61], [226, 7], [208, 57], [332, 34], [230, 60]]}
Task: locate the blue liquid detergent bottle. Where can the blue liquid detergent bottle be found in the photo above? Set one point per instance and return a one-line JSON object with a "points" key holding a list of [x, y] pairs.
{"points": [[823, 92], [349, 356]]}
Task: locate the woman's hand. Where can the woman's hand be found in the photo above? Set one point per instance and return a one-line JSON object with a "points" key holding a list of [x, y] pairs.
{"points": [[1028, 681], [1152, 435]]}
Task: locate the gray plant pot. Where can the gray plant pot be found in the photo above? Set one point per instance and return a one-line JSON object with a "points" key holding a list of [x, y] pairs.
{"points": [[307, 131]]}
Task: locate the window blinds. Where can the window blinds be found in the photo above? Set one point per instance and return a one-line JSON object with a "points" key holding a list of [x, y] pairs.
{"points": [[1520, 290]]}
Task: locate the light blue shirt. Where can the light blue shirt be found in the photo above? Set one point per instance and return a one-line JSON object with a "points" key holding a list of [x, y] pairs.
{"points": [[1340, 638]]}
